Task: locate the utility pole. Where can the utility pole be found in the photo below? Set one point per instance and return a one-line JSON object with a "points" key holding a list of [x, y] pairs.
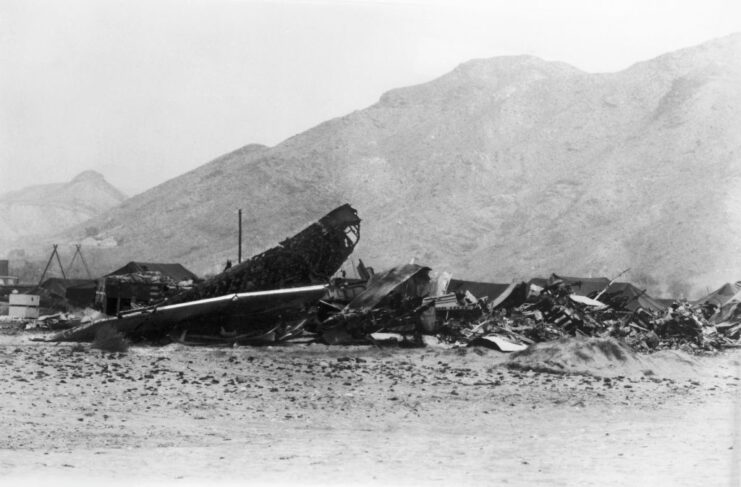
{"points": [[239, 254]]}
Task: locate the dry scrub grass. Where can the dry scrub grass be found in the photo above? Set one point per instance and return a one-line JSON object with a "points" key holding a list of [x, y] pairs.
{"points": [[108, 339]]}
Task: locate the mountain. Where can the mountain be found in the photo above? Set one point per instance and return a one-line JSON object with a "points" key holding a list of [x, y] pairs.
{"points": [[42, 210], [504, 168]]}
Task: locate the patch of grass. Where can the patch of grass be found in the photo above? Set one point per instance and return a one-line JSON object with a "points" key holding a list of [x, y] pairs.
{"points": [[583, 355], [612, 349], [108, 339]]}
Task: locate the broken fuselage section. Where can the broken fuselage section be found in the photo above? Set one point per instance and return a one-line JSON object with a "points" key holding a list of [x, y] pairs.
{"points": [[309, 257], [272, 289]]}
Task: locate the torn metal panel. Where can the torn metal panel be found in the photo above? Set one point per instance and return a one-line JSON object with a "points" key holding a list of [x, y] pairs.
{"points": [[587, 301], [342, 291], [498, 343], [489, 290], [409, 280], [364, 271], [392, 300], [512, 297], [446, 302], [310, 257], [452, 307], [254, 312], [502, 297], [440, 286]]}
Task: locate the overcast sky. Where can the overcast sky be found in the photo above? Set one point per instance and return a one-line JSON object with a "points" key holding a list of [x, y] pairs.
{"points": [[143, 91]]}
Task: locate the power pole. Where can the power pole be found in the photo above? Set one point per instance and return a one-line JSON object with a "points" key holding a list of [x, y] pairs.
{"points": [[239, 254]]}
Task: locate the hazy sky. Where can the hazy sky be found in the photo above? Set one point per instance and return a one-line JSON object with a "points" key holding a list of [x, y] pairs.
{"points": [[143, 91]]}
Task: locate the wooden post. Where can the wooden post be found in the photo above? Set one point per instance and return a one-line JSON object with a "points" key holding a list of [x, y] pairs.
{"points": [[239, 254]]}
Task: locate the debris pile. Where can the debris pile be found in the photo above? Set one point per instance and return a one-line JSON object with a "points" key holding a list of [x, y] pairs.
{"points": [[555, 312], [521, 316], [288, 294], [392, 301]]}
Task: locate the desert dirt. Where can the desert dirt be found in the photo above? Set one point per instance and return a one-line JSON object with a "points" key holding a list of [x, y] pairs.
{"points": [[317, 415]]}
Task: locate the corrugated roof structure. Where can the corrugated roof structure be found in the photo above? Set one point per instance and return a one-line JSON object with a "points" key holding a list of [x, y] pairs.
{"points": [[625, 293], [478, 289], [722, 295], [175, 271]]}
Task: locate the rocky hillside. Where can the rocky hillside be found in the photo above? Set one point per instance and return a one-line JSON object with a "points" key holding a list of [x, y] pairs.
{"points": [[43, 210], [504, 168]]}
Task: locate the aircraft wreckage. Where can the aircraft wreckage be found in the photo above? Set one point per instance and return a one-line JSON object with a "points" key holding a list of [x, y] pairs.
{"points": [[263, 298], [288, 294]]}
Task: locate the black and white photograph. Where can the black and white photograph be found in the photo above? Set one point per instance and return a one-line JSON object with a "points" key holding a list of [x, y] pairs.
{"points": [[370, 242]]}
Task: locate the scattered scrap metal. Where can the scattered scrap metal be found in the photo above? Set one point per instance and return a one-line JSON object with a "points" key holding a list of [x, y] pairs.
{"points": [[404, 300], [555, 311], [393, 300]]}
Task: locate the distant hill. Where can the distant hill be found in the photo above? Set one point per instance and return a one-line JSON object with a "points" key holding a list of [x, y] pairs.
{"points": [[42, 210], [504, 168]]}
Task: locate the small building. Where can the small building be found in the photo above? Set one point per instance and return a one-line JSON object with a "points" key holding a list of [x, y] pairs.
{"points": [[139, 284], [23, 306]]}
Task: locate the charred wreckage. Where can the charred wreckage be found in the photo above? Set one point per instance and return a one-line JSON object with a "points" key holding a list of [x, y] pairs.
{"points": [[288, 294]]}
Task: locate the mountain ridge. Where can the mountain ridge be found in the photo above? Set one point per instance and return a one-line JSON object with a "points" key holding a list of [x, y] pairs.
{"points": [[41, 210], [502, 169]]}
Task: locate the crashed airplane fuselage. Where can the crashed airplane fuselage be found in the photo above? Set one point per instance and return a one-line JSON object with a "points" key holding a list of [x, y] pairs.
{"points": [[309, 257], [272, 286]]}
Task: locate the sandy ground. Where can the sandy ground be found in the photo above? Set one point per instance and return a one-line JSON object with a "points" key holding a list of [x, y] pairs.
{"points": [[315, 415]]}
